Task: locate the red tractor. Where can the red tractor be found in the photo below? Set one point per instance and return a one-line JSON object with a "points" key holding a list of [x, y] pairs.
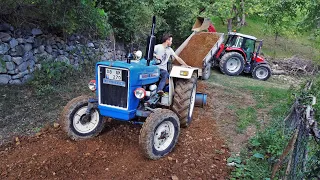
{"points": [[240, 54]]}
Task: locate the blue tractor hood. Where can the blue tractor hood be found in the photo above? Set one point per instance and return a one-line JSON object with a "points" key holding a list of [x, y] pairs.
{"points": [[140, 73]]}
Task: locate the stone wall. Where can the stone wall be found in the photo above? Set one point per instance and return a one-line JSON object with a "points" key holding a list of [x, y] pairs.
{"points": [[22, 53]]}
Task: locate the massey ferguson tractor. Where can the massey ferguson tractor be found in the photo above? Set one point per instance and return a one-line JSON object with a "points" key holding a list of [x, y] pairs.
{"points": [[126, 91], [240, 52]]}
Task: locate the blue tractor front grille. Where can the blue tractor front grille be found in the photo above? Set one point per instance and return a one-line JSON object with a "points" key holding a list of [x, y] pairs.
{"points": [[112, 92]]}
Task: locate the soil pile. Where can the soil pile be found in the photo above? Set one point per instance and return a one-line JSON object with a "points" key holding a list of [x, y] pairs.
{"points": [[198, 47]]}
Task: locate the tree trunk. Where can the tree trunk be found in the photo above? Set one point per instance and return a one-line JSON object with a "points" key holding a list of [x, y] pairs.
{"points": [[243, 19], [230, 25]]}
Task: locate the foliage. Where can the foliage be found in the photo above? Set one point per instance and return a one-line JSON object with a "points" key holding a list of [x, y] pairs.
{"points": [[246, 116], [61, 16], [51, 74]]}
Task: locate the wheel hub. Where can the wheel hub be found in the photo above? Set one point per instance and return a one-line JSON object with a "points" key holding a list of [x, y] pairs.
{"points": [[85, 123], [233, 65], [163, 135], [262, 73]]}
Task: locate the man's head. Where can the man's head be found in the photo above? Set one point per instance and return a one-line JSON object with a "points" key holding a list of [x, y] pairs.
{"points": [[167, 39]]}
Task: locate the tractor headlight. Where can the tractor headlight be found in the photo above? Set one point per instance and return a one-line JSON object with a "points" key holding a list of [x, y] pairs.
{"points": [[140, 93], [184, 73], [92, 85]]}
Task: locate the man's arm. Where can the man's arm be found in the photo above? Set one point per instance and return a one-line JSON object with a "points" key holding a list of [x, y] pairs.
{"points": [[179, 59]]}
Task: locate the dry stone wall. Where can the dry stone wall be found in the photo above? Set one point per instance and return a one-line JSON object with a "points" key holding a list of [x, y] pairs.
{"points": [[22, 53]]}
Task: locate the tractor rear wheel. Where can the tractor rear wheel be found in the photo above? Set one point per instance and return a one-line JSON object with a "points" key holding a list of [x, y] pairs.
{"points": [[159, 134], [184, 99], [206, 72], [261, 72], [74, 121], [232, 64]]}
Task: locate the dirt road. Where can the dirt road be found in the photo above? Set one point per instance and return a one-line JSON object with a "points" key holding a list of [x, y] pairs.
{"points": [[201, 153]]}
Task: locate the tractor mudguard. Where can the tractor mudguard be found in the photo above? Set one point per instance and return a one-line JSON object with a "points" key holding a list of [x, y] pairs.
{"points": [[183, 72]]}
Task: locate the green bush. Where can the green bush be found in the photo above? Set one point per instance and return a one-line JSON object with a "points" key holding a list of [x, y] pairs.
{"points": [[63, 16]]}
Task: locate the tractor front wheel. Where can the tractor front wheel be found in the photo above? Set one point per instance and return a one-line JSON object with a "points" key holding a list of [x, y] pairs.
{"points": [[261, 72], [232, 64], [76, 123], [159, 134]]}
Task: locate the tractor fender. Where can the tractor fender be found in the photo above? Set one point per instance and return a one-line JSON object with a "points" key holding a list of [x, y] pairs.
{"points": [[183, 72], [176, 73]]}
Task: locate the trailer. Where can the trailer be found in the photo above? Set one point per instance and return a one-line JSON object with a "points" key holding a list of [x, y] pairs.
{"points": [[204, 59]]}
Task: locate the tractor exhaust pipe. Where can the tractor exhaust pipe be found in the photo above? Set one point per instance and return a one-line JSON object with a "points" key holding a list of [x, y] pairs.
{"points": [[151, 42], [201, 100]]}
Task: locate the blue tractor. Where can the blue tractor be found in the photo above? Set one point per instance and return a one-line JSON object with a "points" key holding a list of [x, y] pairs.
{"points": [[126, 91]]}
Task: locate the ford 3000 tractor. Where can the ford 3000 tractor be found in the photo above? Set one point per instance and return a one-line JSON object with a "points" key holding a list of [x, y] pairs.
{"points": [[126, 91]]}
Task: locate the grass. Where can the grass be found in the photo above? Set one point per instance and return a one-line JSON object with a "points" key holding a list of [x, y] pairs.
{"points": [[265, 95], [246, 116], [25, 109]]}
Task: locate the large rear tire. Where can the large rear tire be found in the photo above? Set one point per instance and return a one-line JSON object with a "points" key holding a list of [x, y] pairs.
{"points": [[231, 63], [184, 99], [73, 121], [261, 72], [159, 134]]}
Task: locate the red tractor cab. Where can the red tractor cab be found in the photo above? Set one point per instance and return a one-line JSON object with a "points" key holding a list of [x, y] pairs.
{"points": [[240, 54]]}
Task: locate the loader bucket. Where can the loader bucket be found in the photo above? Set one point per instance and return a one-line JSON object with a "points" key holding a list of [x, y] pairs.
{"points": [[201, 24]]}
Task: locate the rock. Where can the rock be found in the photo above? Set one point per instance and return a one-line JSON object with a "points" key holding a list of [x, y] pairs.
{"points": [[10, 66], [30, 40], [13, 43], [19, 50], [21, 41], [55, 47], [15, 82], [49, 49], [4, 48], [6, 58], [170, 158], [174, 177], [31, 63], [17, 76], [70, 48], [35, 51], [4, 78], [27, 56], [17, 141], [11, 72], [23, 66], [6, 27], [3, 68], [26, 78], [41, 49], [90, 45], [61, 52], [56, 125], [5, 37], [27, 47], [17, 60], [37, 43], [36, 31], [63, 59]]}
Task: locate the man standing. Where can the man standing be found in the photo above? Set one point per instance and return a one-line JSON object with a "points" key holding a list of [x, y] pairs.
{"points": [[163, 52]]}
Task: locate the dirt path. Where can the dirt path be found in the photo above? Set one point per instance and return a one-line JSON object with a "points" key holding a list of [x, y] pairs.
{"points": [[199, 154]]}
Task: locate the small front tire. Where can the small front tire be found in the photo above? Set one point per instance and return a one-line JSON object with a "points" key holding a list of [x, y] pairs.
{"points": [[261, 72], [74, 123], [159, 134]]}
